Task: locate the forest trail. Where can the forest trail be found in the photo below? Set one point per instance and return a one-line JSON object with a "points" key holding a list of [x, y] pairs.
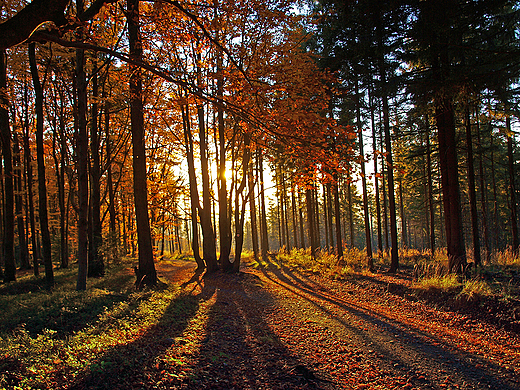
{"points": [[277, 328]]}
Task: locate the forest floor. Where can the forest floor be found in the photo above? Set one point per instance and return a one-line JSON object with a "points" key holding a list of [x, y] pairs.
{"points": [[274, 327]]}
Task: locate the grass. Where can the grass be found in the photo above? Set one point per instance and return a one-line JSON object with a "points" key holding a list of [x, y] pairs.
{"points": [[46, 336]]}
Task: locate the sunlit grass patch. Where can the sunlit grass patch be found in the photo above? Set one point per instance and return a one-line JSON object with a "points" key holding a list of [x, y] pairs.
{"points": [[448, 282], [64, 333], [475, 287]]}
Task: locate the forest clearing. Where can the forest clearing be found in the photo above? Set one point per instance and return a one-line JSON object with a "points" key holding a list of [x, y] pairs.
{"points": [[274, 325]]}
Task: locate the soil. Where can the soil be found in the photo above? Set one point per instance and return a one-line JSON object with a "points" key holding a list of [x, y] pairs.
{"points": [[281, 328]]}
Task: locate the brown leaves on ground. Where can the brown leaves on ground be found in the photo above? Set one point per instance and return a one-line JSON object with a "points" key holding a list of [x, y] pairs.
{"points": [[274, 328]]}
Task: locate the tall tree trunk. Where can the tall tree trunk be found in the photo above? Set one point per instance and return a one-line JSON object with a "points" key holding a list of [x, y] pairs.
{"points": [[310, 221], [294, 217], [5, 134], [337, 219], [512, 188], [326, 213], [450, 184], [113, 236], [224, 220], [252, 209], [96, 264], [471, 188], [483, 190], [60, 175], [194, 193], [40, 158], [240, 210], [368, 232], [22, 241], [404, 242], [29, 184], [263, 216], [209, 248], [350, 214], [146, 273], [431, 205], [82, 161], [376, 178]]}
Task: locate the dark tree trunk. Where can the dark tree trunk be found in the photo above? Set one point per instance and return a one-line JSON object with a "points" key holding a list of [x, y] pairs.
{"points": [[376, 179], [450, 184], [483, 190], [404, 242], [294, 217], [471, 189], [431, 205], [512, 188], [40, 158], [310, 221], [209, 245], [368, 232], [82, 161], [194, 193], [350, 214], [113, 236], [5, 134], [240, 210], [263, 216], [337, 219], [252, 209], [331, 213], [326, 213], [146, 273], [22, 238], [96, 264], [29, 183]]}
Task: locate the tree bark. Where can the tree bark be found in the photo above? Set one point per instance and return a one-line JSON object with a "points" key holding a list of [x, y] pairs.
{"points": [[40, 158], [512, 188], [450, 184], [96, 264], [5, 134], [146, 273], [209, 248], [194, 193], [263, 216], [337, 219], [471, 188], [431, 205]]}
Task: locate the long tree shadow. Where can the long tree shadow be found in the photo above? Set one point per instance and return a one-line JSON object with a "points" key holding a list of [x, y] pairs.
{"points": [[412, 339], [240, 350], [125, 366]]}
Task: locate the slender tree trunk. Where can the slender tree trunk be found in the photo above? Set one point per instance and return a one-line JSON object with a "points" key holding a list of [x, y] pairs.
{"points": [[194, 193], [326, 213], [82, 161], [29, 184], [294, 218], [376, 179], [512, 188], [64, 242], [350, 214], [471, 188], [431, 205], [22, 241], [302, 234], [114, 239], [146, 273], [96, 265], [209, 248], [368, 233], [403, 216], [5, 134], [263, 216], [310, 221], [252, 209], [40, 158], [483, 189], [240, 210], [337, 219]]}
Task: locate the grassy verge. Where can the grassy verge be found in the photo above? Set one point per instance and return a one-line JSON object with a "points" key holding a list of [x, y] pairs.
{"points": [[51, 338]]}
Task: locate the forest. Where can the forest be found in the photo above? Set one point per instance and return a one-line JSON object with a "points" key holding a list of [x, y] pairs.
{"points": [[172, 171]]}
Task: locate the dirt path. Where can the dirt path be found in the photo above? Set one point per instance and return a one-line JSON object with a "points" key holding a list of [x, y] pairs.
{"points": [[274, 328]]}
